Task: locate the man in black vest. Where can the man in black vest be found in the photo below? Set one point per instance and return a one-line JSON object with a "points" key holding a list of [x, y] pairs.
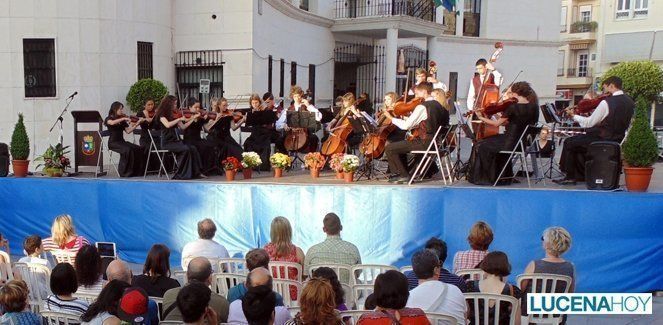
{"points": [[426, 118], [608, 122]]}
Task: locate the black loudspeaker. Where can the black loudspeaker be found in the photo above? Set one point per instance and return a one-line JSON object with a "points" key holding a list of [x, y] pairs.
{"points": [[4, 160], [603, 165]]}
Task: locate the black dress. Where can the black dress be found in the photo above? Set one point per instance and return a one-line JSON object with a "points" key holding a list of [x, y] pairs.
{"points": [[505, 310], [485, 162], [144, 141], [132, 157], [206, 149], [220, 136], [188, 159], [260, 142], [154, 287]]}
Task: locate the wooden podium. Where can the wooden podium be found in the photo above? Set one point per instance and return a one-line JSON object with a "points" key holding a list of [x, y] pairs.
{"points": [[87, 143]]}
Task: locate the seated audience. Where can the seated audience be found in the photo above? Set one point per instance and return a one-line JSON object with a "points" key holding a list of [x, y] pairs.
{"points": [[281, 249], [329, 275], [14, 302], [440, 248], [254, 258], [258, 305], [200, 270], [318, 304], [156, 279], [134, 307], [480, 238], [433, 295], [4, 244], [497, 268], [33, 248], [333, 249], [63, 236], [63, 286], [104, 310], [391, 297], [193, 301], [369, 303], [89, 271], [257, 282], [204, 246], [118, 270]]}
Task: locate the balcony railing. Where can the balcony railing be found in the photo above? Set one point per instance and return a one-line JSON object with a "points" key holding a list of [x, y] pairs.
{"points": [[422, 9], [560, 72], [578, 72], [584, 26]]}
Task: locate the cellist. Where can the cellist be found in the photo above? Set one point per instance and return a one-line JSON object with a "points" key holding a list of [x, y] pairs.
{"points": [[485, 73], [300, 104], [347, 112]]}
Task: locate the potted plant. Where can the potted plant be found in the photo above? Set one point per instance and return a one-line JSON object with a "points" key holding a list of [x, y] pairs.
{"points": [[640, 150], [350, 165], [145, 89], [279, 161], [20, 148], [54, 160], [335, 164], [250, 160], [314, 161], [231, 165]]}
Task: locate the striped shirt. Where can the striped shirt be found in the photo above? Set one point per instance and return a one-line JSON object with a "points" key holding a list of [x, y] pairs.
{"points": [[332, 250], [445, 276], [72, 246], [468, 259], [94, 289], [74, 306]]}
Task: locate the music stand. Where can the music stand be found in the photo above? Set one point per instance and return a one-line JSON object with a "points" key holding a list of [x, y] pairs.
{"points": [[260, 118], [364, 125], [550, 116], [460, 168]]}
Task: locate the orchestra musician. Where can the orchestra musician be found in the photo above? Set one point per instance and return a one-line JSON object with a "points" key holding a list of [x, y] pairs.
{"points": [[188, 160], [485, 161], [485, 73], [276, 136], [420, 76], [146, 123], [261, 135], [219, 130], [397, 134], [300, 103], [132, 157], [426, 118], [608, 122], [350, 112], [206, 149], [442, 97]]}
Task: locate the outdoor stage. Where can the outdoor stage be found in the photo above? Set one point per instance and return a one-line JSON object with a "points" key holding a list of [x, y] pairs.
{"points": [[617, 236]]}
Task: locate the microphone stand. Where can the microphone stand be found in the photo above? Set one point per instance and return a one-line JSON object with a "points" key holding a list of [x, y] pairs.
{"points": [[60, 119]]}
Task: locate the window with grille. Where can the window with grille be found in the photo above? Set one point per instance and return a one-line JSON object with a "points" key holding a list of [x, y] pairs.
{"points": [[282, 78], [623, 9], [144, 55], [293, 73], [641, 8], [39, 67], [631, 9], [311, 78]]}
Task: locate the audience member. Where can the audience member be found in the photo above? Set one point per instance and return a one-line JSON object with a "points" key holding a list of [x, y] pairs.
{"points": [[14, 302], [200, 270], [433, 295], [281, 249], [318, 304], [33, 248], [440, 248], [63, 286], [204, 246], [134, 307], [333, 249], [104, 310], [254, 258], [258, 306], [118, 270], [369, 303], [63, 236], [497, 268], [193, 301], [89, 271], [480, 238], [259, 277], [155, 279], [391, 297], [329, 275]]}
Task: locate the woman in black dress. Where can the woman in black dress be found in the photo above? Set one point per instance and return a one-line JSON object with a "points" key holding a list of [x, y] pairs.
{"points": [[132, 157], [147, 123], [206, 149], [219, 130], [188, 159], [485, 162], [261, 135]]}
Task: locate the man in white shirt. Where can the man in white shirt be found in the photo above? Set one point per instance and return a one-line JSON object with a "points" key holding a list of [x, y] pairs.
{"points": [[485, 73], [205, 246], [300, 104], [432, 295], [259, 277], [608, 122]]}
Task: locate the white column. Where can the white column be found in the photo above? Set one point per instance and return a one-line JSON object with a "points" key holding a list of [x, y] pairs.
{"points": [[391, 60], [460, 9]]}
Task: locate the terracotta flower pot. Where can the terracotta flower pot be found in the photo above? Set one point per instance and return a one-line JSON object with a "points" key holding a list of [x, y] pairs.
{"points": [[20, 167], [247, 172], [278, 172], [637, 178], [349, 177], [339, 175], [230, 175], [315, 172]]}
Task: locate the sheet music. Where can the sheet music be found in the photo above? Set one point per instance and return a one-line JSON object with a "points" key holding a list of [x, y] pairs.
{"points": [[369, 119]]}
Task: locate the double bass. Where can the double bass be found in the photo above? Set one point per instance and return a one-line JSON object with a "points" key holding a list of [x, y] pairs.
{"points": [[489, 93]]}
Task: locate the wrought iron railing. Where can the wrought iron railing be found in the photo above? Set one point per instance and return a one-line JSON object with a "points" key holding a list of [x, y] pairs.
{"points": [[422, 9]]}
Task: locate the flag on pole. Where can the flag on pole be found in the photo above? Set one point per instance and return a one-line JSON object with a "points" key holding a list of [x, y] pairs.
{"points": [[447, 4]]}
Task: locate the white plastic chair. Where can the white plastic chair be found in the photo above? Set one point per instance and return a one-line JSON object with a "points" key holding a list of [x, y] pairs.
{"points": [[472, 274], [343, 271], [353, 314], [222, 282], [180, 276], [159, 302], [6, 274], [544, 283], [213, 261], [438, 151], [486, 301], [406, 268], [37, 277], [280, 270], [359, 294], [64, 256], [87, 297], [174, 322], [232, 265], [282, 287], [58, 318], [441, 319], [367, 273]]}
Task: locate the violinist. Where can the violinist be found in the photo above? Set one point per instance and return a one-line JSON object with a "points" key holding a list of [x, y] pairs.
{"points": [[426, 118], [132, 157], [389, 101], [348, 112], [485, 73], [147, 123], [276, 136], [261, 135], [485, 160], [219, 130], [442, 97], [192, 130], [608, 122], [188, 160], [300, 103]]}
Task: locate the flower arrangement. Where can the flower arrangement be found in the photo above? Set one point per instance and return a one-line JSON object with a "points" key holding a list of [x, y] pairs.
{"points": [[251, 160], [54, 158], [350, 163], [314, 160], [335, 162], [279, 160], [231, 163]]}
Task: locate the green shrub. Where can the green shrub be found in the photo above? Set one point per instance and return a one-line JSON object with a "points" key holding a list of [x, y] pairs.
{"points": [[20, 144], [640, 148], [143, 90], [639, 79]]}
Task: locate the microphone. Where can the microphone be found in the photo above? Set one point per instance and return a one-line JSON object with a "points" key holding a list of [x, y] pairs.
{"points": [[72, 95]]}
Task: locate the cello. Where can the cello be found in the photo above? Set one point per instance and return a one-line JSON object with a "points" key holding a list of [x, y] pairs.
{"points": [[488, 94], [296, 138], [337, 140]]}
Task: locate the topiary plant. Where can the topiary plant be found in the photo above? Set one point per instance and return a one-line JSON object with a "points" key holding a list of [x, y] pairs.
{"points": [[20, 144], [640, 148], [639, 79], [143, 90]]}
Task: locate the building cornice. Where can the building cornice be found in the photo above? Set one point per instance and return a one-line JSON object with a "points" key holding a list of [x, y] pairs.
{"points": [[507, 42], [288, 9]]}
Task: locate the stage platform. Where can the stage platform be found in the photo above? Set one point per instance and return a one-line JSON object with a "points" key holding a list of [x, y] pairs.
{"points": [[617, 236]]}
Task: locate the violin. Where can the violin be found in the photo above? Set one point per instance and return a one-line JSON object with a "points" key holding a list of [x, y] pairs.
{"points": [[212, 115], [133, 118], [183, 113], [499, 107], [587, 105], [405, 108]]}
